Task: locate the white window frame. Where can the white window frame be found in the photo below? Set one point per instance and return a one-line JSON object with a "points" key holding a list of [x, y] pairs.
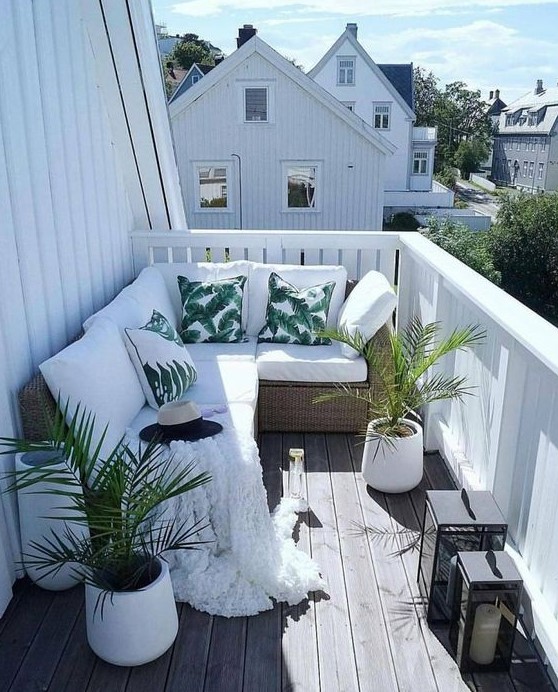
{"points": [[342, 70], [350, 105], [263, 88], [381, 105], [423, 159], [525, 169], [195, 78], [541, 170], [285, 166], [531, 169], [228, 178]]}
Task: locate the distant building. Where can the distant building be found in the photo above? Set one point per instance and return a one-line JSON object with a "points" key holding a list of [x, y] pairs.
{"points": [[191, 77], [261, 145], [526, 144], [496, 106], [383, 96]]}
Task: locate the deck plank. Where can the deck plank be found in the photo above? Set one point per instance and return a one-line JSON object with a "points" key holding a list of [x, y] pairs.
{"points": [[76, 665], [190, 652], [225, 664], [18, 636], [336, 654], [412, 665], [365, 609], [300, 669], [49, 643]]}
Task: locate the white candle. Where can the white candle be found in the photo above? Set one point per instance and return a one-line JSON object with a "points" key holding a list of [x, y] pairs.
{"points": [[451, 581], [485, 634]]}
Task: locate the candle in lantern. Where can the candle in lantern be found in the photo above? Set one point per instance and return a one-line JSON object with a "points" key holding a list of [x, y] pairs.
{"points": [[485, 634]]}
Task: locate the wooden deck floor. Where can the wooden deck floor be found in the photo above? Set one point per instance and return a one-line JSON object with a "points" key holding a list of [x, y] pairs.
{"points": [[366, 632]]}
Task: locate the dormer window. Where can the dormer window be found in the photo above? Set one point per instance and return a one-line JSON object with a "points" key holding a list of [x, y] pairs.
{"points": [[345, 71], [255, 104]]}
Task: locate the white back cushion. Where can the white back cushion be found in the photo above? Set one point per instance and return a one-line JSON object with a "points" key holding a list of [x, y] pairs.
{"points": [[367, 308], [134, 305], [97, 372], [301, 277]]}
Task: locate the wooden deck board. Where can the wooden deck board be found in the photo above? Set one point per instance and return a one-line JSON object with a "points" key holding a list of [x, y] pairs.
{"points": [[365, 634]]}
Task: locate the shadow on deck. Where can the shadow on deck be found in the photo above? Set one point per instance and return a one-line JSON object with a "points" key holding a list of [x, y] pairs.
{"points": [[367, 633]]}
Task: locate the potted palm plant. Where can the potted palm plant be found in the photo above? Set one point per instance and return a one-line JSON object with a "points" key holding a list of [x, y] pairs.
{"points": [[393, 448], [121, 500]]}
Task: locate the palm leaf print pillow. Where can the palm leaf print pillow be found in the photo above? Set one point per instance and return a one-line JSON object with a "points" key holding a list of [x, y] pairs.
{"points": [[165, 368], [211, 310], [295, 316]]}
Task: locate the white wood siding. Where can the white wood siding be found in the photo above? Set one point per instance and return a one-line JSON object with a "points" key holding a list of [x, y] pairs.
{"points": [[366, 91], [68, 198], [301, 129]]}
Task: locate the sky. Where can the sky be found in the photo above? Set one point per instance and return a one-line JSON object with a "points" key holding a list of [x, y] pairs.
{"points": [[488, 44]]}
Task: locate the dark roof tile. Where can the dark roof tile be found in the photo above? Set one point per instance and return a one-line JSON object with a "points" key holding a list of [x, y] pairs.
{"points": [[401, 76]]}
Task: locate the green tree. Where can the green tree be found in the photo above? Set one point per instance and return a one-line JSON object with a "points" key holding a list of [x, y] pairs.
{"points": [[473, 248], [469, 155], [192, 49], [427, 95], [524, 245]]}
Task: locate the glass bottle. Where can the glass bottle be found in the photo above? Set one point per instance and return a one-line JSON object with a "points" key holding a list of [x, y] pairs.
{"points": [[296, 473]]}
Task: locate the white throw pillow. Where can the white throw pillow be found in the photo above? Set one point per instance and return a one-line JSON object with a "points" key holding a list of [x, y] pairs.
{"points": [[97, 372], [133, 306], [367, 308], [163, 364]]}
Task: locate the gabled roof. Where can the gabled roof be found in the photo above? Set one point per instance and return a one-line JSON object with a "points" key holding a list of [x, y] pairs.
{"points": [[401, 76], [256, 45], [347, 35], [182, 87], [496, 107]]}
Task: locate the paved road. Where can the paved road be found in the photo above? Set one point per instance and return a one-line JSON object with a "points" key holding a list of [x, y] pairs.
{"points": [[479, 200]]}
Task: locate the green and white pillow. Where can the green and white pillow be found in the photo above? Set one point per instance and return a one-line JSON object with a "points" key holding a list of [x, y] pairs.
{"points": [[165, 368], [211, 310], [295, 316]]}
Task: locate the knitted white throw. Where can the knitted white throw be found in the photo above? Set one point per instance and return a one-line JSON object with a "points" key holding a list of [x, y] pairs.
{"points": [[251, 556]]}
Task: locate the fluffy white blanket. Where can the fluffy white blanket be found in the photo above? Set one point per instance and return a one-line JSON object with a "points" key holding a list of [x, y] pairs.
{"points": [[250, 557]]}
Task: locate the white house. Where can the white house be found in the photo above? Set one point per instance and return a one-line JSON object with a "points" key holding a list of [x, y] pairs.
{"points": [[383, 96], [273, 149]]}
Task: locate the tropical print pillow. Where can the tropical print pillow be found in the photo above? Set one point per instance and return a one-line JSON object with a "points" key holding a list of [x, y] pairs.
{"points": [[211, 310], [295, 316], [165, 368]]}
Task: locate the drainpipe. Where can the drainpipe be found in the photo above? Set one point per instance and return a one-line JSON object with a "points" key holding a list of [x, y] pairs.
{"points": [[239, 188]]}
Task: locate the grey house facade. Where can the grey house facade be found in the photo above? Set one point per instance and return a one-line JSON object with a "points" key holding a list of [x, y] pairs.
{"points": [[526, 145]]}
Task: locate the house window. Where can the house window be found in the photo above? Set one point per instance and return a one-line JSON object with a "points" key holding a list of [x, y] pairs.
{"points": [[509, 119], [533, 144], [509, 163], [541, 171], [301, 186], [420, 162], [382, 116], [349, 104], [524, 173], [212, 187], [543, 145], [345, 71], [532, 120], [195, 78], [255, 104], [531, 168], [517, 145]]}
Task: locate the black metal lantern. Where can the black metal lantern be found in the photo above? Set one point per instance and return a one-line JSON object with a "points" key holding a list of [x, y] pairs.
{"points": [[454, 521], [485, 610]]}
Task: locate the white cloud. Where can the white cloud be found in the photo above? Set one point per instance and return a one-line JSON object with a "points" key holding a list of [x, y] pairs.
{"points": [[356, 8]]}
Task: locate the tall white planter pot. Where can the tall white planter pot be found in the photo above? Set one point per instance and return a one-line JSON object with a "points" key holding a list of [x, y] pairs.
{"points": [[39, 519], [393, 468], [129, 628]]}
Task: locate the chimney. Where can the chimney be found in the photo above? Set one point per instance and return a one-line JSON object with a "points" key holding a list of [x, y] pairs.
{"points": [[245, 33], [497, 94], [539, 88], [353, 28], [490, 95], [218, 59]]}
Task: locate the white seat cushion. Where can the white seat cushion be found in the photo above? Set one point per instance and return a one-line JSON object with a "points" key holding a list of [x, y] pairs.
{"points": [[299, 276], [134, 305], [296, 363], [225, 382], [244, 350]]}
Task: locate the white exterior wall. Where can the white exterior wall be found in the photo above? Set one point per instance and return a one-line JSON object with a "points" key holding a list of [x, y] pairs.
{"points": [[301, 129], [71, 190], [367, 90]]}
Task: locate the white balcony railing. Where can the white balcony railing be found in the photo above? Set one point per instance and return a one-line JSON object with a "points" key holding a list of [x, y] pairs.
{"points": [[505, 437], [425, 134]]}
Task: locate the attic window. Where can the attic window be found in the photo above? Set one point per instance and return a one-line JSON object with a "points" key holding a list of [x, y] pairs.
{"points": [[382, 112], [345, 71], [255, 104]]}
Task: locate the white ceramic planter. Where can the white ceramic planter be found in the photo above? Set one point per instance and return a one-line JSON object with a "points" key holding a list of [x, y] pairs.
{"points": [[39, 518], [393, 468], [129, 628]]}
